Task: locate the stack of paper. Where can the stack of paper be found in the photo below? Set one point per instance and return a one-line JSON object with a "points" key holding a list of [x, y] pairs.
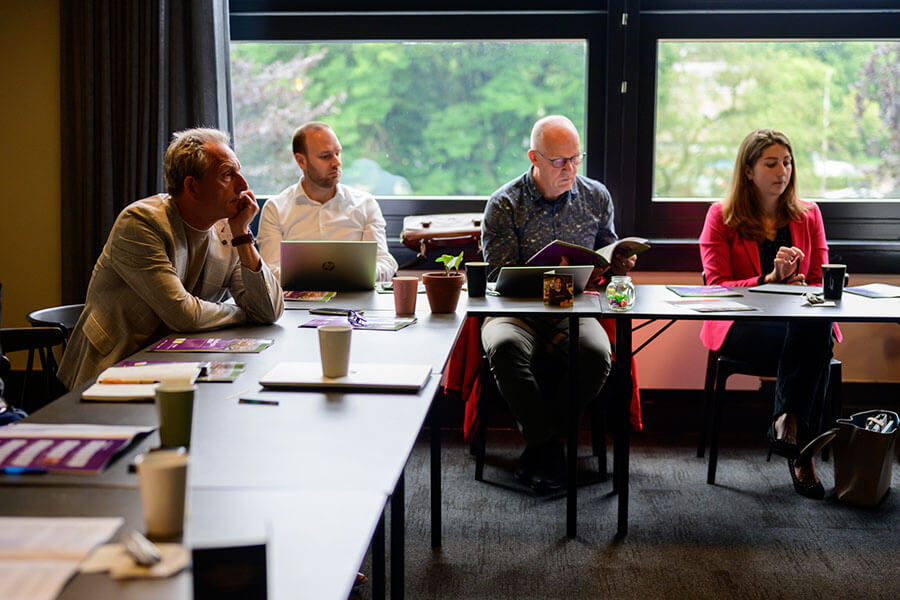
{"points": [[139, 382], [39, 555]]}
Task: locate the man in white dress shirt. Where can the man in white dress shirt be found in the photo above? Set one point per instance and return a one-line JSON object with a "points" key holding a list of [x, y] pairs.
{"points": [[318, 207]]}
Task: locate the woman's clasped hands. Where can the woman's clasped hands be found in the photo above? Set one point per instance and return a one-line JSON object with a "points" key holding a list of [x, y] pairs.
{"points": [[787, 266]]}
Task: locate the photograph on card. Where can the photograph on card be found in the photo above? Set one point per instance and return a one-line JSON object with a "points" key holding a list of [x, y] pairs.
{"points": [[559, 289]]}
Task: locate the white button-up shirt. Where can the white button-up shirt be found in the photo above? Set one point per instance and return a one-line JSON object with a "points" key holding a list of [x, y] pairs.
{"points": [[350, 215]]}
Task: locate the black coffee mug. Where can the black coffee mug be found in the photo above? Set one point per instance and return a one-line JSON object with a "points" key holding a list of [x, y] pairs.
{"points": [[476, 278], [833, 281]]}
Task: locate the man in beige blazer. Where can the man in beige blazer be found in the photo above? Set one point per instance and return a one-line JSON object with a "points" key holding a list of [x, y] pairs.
{"points": [[171, 258]]}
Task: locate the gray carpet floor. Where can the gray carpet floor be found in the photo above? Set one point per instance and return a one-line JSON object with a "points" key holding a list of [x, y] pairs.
{"points": [[749, 536]]}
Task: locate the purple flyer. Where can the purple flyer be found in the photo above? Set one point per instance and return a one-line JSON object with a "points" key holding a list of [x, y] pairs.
{"points": [[198, 344], [68, 455]]}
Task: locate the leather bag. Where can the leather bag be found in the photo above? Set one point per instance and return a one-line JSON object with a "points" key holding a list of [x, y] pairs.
{"points": [[424, 233], [864, 450]]}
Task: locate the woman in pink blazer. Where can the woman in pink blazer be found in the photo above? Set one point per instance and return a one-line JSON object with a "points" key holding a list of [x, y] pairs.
{"points": [[760, 233]]}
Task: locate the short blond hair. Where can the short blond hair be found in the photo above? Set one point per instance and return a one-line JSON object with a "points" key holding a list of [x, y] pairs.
{"points": [[298, 143], [186, 155]]}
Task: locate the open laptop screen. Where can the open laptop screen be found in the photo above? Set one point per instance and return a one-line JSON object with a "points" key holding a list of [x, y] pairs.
{"points": [[328, 265]]}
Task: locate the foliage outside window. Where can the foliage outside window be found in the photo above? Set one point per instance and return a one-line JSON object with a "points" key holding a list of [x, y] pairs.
{"points": [[837, 101], [414, 118]]}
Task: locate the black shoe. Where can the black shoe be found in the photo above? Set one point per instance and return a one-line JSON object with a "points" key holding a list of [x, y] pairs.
{"points": [[816, 490], [527, 464], [781, 447], [550, 473]]}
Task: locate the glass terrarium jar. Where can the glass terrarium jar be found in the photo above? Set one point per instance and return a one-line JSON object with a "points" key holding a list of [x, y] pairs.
{"points": [[620, 293]]}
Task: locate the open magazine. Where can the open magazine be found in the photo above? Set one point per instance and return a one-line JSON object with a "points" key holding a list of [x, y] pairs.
{"points": [[553, 253]]}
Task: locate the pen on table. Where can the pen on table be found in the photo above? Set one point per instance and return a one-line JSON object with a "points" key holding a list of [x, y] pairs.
{"points": [[127, 381], [23, 471], [253, 401]]}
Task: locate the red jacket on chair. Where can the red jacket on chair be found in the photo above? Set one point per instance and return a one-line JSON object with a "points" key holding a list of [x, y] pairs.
{"points": [[463, 374], [728, 259]]}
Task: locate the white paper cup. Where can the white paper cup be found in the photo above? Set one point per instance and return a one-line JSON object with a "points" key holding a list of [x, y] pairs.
{"points": [[334, 349], [162, 476]]}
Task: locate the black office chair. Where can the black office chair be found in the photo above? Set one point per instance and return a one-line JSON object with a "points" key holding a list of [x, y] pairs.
{"points": [[65, 316], [718, 369], [33, 339]]}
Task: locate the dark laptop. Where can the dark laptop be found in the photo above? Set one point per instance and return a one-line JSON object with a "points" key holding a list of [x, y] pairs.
{"points": [[528, 282]]}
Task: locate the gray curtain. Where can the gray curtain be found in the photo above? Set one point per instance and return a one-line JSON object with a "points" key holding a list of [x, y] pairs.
{"points": [[133, 72]]}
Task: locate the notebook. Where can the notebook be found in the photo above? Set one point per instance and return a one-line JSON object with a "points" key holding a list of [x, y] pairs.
{"points": [[786, 288], [528, 282], [328, 265], [362, 376]]}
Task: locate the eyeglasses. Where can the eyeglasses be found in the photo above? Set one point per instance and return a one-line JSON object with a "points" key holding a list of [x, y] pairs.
{"points": [[559, 163], [356, 319]]}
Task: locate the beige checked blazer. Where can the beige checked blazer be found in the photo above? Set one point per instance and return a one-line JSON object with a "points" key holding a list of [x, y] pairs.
{"points": [[138, 291]]}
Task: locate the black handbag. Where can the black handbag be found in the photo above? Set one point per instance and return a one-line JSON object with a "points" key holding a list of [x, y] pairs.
{"points": [[864, 450]]}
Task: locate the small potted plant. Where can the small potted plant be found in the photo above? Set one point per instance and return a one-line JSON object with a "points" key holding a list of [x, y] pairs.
{"points": [[443, 287]]}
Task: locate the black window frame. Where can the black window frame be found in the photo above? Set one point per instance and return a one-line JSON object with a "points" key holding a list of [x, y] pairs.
{"points": [[863, 235], [621, 39], [282, 21]]}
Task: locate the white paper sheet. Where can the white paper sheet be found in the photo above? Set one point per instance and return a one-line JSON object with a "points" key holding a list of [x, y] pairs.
{"points": [[38, 555]]}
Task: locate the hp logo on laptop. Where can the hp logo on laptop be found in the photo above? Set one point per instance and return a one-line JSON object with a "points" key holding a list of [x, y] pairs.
{"points": [[328, 265]]}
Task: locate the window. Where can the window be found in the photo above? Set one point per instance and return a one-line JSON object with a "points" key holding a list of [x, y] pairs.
{"points": [[419, 118], [833, 99], [663, 154], [710, 72]]}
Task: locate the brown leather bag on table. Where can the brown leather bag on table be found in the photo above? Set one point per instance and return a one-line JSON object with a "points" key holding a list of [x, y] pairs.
{"points": [[424, 233], [864, 451]]}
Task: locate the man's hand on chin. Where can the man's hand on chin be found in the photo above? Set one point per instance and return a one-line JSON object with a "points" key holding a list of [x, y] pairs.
{"points": [[246, 210]]}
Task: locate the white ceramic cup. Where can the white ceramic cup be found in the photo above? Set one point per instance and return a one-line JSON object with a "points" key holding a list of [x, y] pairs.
{"points": [[334, 349], [162, 476]]}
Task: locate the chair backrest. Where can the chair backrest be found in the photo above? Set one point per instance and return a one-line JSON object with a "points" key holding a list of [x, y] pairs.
{"points": [[62, 316]]}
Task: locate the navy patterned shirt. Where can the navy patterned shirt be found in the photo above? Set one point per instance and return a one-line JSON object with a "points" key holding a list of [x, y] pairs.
{"points": [[519, 221]]}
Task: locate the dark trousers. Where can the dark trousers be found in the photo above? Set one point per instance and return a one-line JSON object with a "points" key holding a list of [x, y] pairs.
{"points": [[523, 353], [799, 351]]}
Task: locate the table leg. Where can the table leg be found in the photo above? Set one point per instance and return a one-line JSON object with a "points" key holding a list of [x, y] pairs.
{"points": [[572, 450], [378, 560], [398, 533], [435, 429], [624, 390]]}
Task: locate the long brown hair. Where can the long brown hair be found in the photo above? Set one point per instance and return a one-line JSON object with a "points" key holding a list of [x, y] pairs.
{"points": [[740, 207]]}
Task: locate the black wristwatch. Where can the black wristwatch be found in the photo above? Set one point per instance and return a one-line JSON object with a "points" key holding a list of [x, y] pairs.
{"points": [[247, 238]]}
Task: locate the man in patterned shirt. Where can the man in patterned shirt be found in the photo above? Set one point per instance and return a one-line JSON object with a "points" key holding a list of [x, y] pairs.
{"points": [[550, 201]]}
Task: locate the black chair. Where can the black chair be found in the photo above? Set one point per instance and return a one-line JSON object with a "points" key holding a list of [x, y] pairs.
{"points": [[65, 316], [33, 339], [718, 369]]}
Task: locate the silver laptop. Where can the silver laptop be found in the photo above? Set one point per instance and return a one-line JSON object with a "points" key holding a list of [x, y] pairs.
{"points": [[528, 282], [328, 265], [361, 376]]}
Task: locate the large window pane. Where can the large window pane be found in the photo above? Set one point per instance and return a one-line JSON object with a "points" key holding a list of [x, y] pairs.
{"points": [[414, 118], [838, 102]]}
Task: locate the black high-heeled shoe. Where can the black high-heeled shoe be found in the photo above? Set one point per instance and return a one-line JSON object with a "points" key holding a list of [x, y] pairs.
{"points": [[816, 490], [781, 447]]}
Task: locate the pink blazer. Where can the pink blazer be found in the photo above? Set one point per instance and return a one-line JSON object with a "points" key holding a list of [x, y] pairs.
{"points": [[728, 259]]}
